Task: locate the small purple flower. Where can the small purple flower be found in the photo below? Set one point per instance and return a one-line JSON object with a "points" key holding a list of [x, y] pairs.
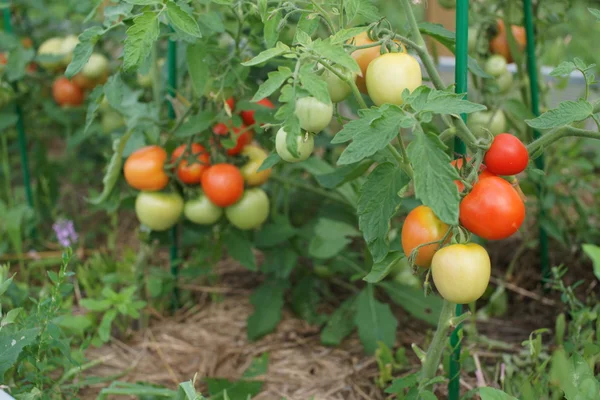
{"points": [[65, 232]]}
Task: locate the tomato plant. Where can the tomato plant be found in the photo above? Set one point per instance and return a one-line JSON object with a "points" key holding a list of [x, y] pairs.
{"points": [[251, 211], [421, 226], [389, 75], [67, 93], [241, 134], [187, 172], [507, 155], [223, 184], [304, 146], [158, 211], [461, 272], [313, 114], [200, 210], [144, 168], [493, 210]]}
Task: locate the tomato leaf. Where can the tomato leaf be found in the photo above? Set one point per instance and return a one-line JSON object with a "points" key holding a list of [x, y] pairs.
{"points": [[18, 58], [434, 176], [268, 301], [381, 269], [181, 20], [270, 161], [425, 308], [374, 320], [489, 393], [198, 69], [314, 84], [518, 109], [566, 113], [7, 120], [335, 53], [113, 171], [271, 30], [343, 35], [280, 262], [268, 54], [140, 39], [114, 91], [361, 8], [211, 23], [142, 2], [196, 124], [593, 252], [308, 24], [272, 234], [95, 99], [343, 174], [399, 384], [375, 128], [424, 99], [83, 50], [378, 202], [274, 82], [305, 300], [330, 238], [240, 248], [340, 324]]}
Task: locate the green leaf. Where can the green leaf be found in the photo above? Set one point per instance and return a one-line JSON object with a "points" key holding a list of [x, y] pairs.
{"points": [[272, 234], [181, 20], [268, 54], [434, 176], [223, 389], [381, 269], [314, 84], [428, 395], [474, 67], [140, 39], [11, 345], [95, 305], [439, 33], [305, 300], [211, 23], [399, 384], [375, 128], [271, 29], [18, 59], [95, 98], [375, 321], [425, 308], [595, 12], [268, 301], [274, 82], [83, 50], [378, 202], [425, 99], [335, 53], [196, 124], [258, 367], [564, 68], [142, 2], [365, 9], [4, 285], [330, 238], [198, 69], [11, 316], [280, 261], [489, 393], [340, 324], [343, 35], [106, 325], [240, 248], [593, 252], [7, 120], [113, 171], [518, 109], [567, 112], [114, 90], [343, 174], [186, 391], [269, 162]]}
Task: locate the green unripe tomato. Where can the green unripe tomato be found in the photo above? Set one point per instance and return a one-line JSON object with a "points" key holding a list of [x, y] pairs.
{"points": [[202, 211], [96, 66], [51, 47], [157, 210], [314, 116], [305, 145], [111, 121], [495, 65], [504, 81], [251, 211], [493, 121], [337, 88], [67, 46]]}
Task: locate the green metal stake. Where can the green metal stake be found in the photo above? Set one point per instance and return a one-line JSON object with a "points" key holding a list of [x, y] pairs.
{"points": [[172, 77], [20, 126], [535, 109], [461, 80]]}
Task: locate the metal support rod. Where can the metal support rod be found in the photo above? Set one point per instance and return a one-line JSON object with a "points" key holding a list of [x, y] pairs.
{"points": [[461, 80], [535, 109], [172, 78]]}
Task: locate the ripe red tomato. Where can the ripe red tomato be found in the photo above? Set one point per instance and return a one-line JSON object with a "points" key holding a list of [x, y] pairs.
{"points": [[223, 184], [507, 155], [231, 103], [67, 93], [493, 210], [191, 173], [422, 226], [243, 138], [483, 172], [144, 168], [248, 115], [461, 272], [499, 43]]}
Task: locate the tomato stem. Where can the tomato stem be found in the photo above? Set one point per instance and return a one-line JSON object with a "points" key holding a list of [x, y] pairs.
{"points": [[438, 343], [559, 133]]}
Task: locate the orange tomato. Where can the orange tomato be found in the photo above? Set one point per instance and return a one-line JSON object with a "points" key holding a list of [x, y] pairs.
{"points": [[243, 136], [499, 43], [67, 93], [422, 226], [364, 57], [144, 168], [191, 173], [223, 184]]}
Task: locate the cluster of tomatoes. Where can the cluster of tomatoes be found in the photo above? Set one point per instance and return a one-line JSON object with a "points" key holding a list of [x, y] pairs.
{"points": [[59, 53], [492, 210], [225, 188]]}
